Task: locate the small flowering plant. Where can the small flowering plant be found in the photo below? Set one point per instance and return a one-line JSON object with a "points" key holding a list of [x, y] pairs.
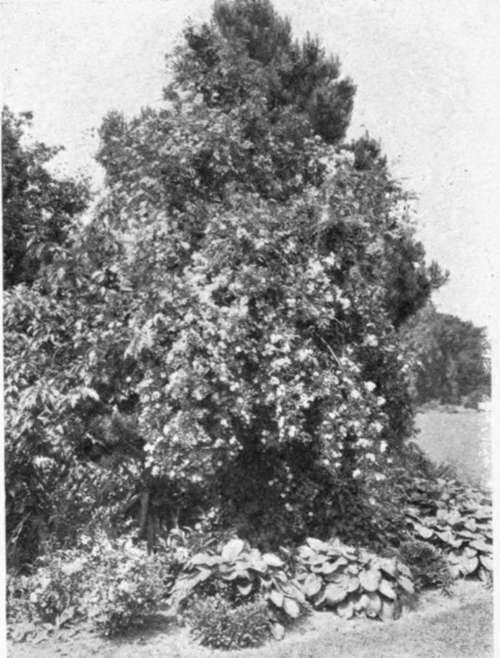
{"points": [[52, 593], [112, 584], [127, 585]]}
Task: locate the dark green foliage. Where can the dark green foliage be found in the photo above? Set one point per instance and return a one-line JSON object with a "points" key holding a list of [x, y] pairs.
{"points": [[452, 363], [428, 565], [248, 50], [216, 623], [408, 281], [264, 98], [410, 478], [37, 207]]}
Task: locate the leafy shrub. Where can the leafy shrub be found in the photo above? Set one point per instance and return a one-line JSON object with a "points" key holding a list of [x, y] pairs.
{"points": [[52, 593], [353, 582], [124, 597], [240, 573], [112, 584], [428, 565], [409, 478], [371, 518], [216, 623], [127, 585], [17, 593]]}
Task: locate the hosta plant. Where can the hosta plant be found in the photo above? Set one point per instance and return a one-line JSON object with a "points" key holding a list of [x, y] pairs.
{"points": [[460, 526], [353, 582], [242, 574]]}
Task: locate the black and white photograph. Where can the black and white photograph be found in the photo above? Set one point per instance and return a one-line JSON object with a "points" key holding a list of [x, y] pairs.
{"points": [[249, 326]]}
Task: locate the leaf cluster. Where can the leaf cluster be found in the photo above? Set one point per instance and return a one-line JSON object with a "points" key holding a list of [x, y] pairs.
{"points": [[353, 582], [112, 585], [247, 50], [245, 574], [459, 525], [428, 565], [215, 623], [38, 207], [451, 358]]}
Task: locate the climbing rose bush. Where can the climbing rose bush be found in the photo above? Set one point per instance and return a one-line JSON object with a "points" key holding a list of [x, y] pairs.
{"points": [[240, 340], [244, 342], [222, 333]]}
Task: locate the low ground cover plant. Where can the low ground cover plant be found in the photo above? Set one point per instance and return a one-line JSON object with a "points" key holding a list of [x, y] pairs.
{"points": [[216, 623], [459, 523], [240, 574], [224, 589], [428, 565], [111, 584], [353, 582]]}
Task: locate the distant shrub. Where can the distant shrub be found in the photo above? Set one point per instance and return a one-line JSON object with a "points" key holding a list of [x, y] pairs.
{"points": [[473, 400], [216, 623], [428, 565]]}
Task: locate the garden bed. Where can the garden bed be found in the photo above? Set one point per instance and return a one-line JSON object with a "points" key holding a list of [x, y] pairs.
{"points": [[440, 626]]}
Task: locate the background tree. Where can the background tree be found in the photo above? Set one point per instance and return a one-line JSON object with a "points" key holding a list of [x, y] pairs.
{"points": [[37, 207], [451, 356], [39, 210], [250, 35]]}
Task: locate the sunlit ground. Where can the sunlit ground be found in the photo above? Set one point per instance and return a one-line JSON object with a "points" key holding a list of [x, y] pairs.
{"points": [[459, 439]]}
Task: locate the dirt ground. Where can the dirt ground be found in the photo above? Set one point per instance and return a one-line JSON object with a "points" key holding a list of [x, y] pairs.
{"points": [[440, 627]]}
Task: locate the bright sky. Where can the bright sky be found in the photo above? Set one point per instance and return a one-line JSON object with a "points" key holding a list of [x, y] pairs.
{"points": [[428, 79]]}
